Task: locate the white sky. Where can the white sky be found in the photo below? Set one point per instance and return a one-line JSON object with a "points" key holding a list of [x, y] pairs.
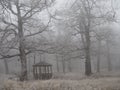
{"points": [[61, 4]]}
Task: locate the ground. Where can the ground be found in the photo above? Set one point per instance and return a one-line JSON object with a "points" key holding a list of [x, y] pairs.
{"points": [[95, 82]]}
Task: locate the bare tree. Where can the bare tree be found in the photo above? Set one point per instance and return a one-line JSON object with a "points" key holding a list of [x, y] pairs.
{"points": [[106, 34], [83, 17], [23, 12]]}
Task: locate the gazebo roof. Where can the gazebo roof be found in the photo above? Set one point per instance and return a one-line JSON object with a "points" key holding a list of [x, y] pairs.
{"points": [[42, 63]]}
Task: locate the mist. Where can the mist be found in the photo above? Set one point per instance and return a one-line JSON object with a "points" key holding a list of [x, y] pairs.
{"points": [[60, 41]]}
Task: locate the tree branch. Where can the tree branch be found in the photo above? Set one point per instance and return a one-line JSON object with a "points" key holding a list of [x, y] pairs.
{"points": [[40, 30], [11, 56]]}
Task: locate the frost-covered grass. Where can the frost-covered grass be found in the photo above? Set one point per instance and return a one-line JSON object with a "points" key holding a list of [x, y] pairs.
{"points": [[106, 83], [68, 81]]}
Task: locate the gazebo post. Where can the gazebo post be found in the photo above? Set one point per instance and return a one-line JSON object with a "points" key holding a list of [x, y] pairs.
{"points": [[34, 71], [50, 71], [39, 72], [44, 71]]}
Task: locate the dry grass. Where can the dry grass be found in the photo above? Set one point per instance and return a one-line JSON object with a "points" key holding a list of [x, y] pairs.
{"points": [[110, 83]]}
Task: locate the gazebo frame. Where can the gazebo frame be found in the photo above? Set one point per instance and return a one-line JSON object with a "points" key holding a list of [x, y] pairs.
{"points": [[42, 71]]}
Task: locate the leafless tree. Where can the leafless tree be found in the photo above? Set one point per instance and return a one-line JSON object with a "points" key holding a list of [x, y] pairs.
{"points": [[22, 13], [83, 17]]}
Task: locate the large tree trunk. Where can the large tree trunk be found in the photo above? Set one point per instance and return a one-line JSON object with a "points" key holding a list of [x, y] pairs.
{"points": [[98, 56], [88, 70], [23, 63], [21, 46], [6, 66]]}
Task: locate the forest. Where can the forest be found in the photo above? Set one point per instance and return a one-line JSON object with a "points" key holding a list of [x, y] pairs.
{"points": [[59, 45]]}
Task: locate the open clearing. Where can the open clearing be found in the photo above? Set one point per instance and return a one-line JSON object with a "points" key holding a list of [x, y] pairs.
{"points": [[104, 83]]}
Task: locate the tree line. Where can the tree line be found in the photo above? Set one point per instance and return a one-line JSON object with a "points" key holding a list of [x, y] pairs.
{"points": [[79, 31]]}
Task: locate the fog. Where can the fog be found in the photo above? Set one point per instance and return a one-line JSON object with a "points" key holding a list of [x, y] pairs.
{"points": [[59, 39]]}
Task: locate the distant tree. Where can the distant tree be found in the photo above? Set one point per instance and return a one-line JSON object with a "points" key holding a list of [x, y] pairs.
{"points": [[105, 34], [57, 63], [83, 17], [110, 41]]}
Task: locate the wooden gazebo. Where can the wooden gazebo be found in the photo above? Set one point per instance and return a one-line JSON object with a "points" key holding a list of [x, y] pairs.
{"points": [[42, 71]]}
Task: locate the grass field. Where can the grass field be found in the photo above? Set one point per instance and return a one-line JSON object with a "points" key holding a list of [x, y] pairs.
{"points": [[66, 82], [106, 83]]}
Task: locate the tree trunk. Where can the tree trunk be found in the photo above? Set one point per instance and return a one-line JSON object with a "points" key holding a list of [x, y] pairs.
{"points": [[21, 45], [34, 58], [108, 57], [6, 66], [41, 57], [23, 63], [69, 66], [63, 64], [98, 56], [57, 64], [88, 70], [29, 65]]}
